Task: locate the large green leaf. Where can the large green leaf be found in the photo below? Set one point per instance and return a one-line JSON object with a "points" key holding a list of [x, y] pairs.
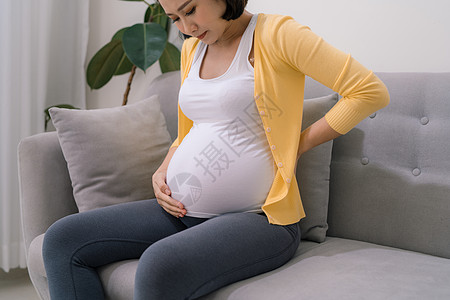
{"points": [[125, 65], [144, 44], [104, 64], [155, 13], [170, 59], [119, 34]]}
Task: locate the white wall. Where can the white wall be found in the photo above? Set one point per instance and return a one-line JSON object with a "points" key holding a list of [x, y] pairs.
{"points": [[384, 35]]}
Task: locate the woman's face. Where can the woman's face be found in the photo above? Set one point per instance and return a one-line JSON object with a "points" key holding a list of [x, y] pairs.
{"points": [[198, 18]]}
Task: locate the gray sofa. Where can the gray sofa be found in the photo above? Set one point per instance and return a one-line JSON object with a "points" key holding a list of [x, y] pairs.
{"points": [[386, 218]]}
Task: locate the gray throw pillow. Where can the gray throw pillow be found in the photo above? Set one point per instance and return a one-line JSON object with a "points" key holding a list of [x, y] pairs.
{"points": [[112, 153], [313, 173]]}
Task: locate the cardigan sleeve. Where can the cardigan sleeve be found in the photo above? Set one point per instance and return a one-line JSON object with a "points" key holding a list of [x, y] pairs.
{"points": [[362, 92], [187, 52]]}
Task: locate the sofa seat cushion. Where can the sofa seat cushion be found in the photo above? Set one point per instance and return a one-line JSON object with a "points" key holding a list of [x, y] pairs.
{"points": [[347, 269], [335, 269], [118, 279]]}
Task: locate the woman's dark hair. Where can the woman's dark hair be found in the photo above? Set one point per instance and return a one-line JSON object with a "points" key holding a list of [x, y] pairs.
{"points": [[235, 8]]}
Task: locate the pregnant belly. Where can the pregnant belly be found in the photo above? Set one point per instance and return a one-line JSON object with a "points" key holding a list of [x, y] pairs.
{"points": [[211, 177]]}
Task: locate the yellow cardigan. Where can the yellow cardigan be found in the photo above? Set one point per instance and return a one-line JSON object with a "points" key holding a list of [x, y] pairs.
{"points": [[285, 52]]}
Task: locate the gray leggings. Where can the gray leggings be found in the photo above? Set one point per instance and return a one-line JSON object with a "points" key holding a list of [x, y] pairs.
{"points": [[178, 258]]}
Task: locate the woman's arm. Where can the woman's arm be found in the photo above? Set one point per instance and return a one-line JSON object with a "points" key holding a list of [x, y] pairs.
{"points": [[318, 133], [362, 91], [159, 179], [162, 191]]}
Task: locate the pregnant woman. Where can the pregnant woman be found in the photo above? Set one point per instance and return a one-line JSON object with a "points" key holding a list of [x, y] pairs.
{"points": [[227, 203]]}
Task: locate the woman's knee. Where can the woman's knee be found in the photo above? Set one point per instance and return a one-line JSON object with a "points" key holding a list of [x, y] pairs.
{"points": [[160, 273], [61, 237]]}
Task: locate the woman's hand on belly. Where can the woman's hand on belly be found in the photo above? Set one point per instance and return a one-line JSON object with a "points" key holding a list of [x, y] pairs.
{"points": [[162, 194]]}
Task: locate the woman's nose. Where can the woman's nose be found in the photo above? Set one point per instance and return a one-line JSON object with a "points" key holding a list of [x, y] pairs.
{"points": [[194, 27], [190, 27]]}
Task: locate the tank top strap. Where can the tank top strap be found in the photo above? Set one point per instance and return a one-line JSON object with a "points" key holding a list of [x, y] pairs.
{"points": [[198, 58], [242, 63], [247, 38]]}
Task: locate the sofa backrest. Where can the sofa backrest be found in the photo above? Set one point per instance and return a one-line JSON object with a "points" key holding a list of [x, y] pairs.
{"points": [[390, 175], [166, 86]]}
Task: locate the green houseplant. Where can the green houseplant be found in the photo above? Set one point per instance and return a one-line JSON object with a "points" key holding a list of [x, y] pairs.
{"points": [[138, 46]]}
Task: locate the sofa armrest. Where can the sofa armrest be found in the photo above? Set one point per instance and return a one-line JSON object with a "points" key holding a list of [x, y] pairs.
{"points": [[45, 186]]}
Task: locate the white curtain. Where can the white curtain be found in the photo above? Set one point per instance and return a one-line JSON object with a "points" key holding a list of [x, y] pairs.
{"points": [[42, 55]]}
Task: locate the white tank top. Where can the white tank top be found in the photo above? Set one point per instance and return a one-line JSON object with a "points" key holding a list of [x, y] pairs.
{"points": [[224, 163]]}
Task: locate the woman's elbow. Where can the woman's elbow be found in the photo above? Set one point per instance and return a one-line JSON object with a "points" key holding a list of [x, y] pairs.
{"points": [[381, 96]]}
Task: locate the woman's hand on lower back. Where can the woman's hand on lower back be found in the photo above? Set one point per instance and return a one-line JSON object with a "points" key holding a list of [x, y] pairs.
{"points": [[162, 194]]}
